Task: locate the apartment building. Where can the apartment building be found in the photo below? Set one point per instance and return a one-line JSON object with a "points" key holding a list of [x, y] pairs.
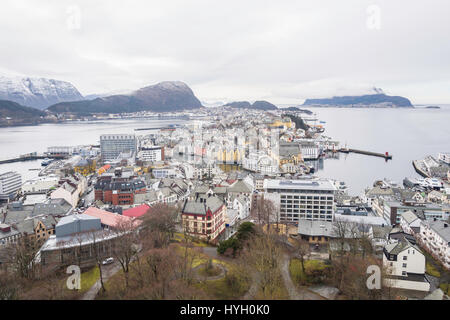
{"points": [[151, 154], [204, 218], [301, 199], [435, 238], [112, 145], [10, 182], [118, 190]]}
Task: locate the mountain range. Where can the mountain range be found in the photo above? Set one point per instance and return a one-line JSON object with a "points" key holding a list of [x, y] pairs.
{"points": [[12, 113], [162, 97], [37, 92]]}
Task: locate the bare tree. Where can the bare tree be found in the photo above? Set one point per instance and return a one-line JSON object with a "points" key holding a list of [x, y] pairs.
{"points": [[126, 245], [99, 250], [302, 248], [22, 256], [265, 211], [263, 255], [159, 223]]}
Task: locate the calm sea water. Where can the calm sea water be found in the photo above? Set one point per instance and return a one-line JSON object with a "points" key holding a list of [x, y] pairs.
{"points": [[407, 134], [15, 141]]}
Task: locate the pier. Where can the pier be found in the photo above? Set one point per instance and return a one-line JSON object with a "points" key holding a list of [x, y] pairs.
{"points": [[386, 155], [29, 157]]}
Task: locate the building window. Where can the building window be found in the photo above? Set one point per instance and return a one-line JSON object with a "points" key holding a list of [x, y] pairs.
{"points": [[405, 258], [404, 265], [404, 273]]}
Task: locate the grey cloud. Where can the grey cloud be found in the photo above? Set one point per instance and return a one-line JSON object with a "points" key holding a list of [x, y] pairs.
{"points": [[284, 52]]}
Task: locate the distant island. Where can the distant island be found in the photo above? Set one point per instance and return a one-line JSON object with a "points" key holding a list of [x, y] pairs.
{"points": [[368, 100], [432, 107], [295, 109], [260, 105]]}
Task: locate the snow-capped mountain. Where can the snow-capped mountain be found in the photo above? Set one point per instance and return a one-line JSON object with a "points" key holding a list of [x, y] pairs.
{"points": [[37, 92]]}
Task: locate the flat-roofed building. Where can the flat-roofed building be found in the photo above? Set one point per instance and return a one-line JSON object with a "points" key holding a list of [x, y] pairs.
{"points": [[112, 145], [40, 184], [10, 182], [301, 199], [77, 240], [151, 154]]}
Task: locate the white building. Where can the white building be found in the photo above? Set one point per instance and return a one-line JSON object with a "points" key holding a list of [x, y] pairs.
{"points": [[71, 189], [40, 184], [435, 238], [309, 150], [405, 266], [301, 199], [10, 182], [151, 154], [409, 222], [60, 151], [444, 157]]}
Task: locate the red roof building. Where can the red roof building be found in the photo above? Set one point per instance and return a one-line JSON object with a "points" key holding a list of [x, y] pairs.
{"points": [[136, 211], [108, 219]]}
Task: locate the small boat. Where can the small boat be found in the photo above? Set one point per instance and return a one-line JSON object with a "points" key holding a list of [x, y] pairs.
{"points": [[46, 162]]}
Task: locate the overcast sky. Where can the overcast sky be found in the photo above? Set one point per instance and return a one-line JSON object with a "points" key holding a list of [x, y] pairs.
{"points": [[281, 51]]}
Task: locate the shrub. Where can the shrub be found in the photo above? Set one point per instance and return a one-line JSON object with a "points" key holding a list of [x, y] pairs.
{"points": [[232, 243]]}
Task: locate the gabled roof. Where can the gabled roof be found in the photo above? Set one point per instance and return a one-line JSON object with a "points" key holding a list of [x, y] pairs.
{"points": [[409, 216], [442, 228], [240, 187], [402, 245], [107, 218], [201, 207], [380, 232]]}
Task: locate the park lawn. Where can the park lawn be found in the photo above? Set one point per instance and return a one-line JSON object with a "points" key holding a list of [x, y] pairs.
{"points": [[89, 278], [179, 237], [432, 271], [295, 269], [230, 287]]}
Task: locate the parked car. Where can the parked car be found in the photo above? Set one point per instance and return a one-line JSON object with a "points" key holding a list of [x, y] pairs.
{"points": [[108, 261]]}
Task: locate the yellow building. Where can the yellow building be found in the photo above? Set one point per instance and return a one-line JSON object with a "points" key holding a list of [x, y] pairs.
{"points": [[283, 122], [85, 166]]}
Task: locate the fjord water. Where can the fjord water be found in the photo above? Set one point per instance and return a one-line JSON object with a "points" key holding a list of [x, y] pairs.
{"points": [[15, 141], [407, 134]]}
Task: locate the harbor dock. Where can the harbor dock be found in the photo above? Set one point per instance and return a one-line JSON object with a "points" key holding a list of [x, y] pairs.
{"points": [[29, 157], [386, 155]]}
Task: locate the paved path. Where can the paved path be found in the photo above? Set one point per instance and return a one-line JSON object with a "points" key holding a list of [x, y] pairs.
{"points": [[295, 293], [253, 290], [108, 272]]}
